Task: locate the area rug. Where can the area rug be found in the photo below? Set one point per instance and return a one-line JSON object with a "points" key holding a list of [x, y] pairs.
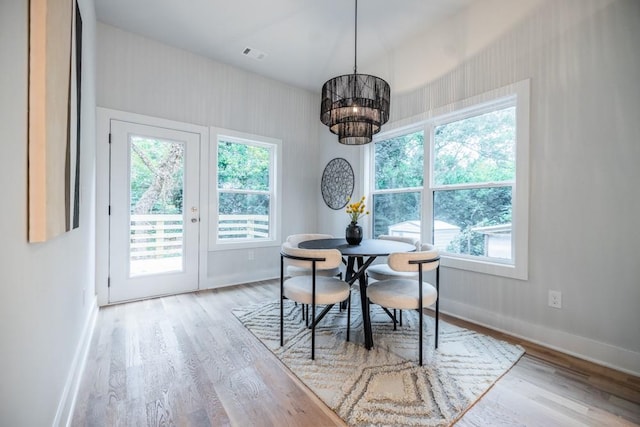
{"points": [[384, 386]]}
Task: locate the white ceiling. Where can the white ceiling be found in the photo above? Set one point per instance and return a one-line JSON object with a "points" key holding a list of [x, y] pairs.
{"points": [[306, 42]]}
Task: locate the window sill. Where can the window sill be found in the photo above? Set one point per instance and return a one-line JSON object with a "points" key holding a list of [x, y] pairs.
{"points": [[228, 246], [486, 267]]}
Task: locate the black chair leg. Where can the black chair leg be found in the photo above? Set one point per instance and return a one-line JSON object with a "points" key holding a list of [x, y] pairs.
{"points": [[420, 339], [437, 301], [306, 315], [349, 316], [313, 332], [281, 321], [437, 312], [281, 300], [394, 319]]}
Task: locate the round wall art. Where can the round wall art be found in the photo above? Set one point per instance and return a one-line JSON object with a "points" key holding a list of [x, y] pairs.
{"points": [[337, 183]]}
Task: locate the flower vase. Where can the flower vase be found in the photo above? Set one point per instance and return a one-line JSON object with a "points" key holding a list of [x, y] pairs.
{"points": [[353, 234]]}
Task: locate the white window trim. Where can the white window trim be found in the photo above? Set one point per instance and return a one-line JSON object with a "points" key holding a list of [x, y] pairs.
{"points": [[275, 184], [519, 91]]}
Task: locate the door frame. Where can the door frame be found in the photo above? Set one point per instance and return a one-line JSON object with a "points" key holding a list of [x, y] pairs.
{"points": [[103, 120]]}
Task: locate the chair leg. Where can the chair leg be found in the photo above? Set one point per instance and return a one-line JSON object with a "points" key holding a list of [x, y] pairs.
{"points": [[313, 331], [437, 301], [400, 318], [281, 321], [420, 339], [281, 300], [394, 319], [420, 309], [349, 317], [437, 320]]}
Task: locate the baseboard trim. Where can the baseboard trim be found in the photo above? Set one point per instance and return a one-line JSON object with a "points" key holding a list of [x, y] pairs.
{"points": [[66, 406], [600, 353], [238, 279]]}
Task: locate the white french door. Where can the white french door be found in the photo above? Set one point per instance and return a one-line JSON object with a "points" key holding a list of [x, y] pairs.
{"points": [[154, 216]]}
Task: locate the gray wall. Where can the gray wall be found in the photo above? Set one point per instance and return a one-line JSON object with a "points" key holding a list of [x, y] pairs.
{"points": [[583, 59], [47, 289]]}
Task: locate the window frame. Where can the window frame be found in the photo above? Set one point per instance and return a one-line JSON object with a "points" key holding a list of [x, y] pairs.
{"points": [[413, 128], [516, 94], [275, 186]]}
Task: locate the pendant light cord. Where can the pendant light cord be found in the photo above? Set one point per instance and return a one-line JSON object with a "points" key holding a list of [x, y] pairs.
{"points": [[355, 49]]}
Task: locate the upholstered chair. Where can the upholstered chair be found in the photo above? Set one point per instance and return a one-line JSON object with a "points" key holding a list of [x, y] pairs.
{"points": [[295, 270], [410, 293], [382, 271], [312, 289]]}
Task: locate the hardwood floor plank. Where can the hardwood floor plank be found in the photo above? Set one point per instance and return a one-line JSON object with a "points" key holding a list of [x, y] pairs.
{"points": [[185, 360]]}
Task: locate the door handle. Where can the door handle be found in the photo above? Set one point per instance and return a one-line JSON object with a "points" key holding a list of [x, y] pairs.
{"points": [[195, 219]]}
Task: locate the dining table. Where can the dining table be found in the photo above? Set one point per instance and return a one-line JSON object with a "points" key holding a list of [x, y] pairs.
{"points": [[357, 258]]}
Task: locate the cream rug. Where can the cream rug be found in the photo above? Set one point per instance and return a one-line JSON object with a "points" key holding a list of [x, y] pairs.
{"points": [[384, 386]]}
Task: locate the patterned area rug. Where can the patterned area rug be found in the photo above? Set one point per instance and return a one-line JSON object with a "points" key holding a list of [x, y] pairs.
{"points": [[384, 386]]}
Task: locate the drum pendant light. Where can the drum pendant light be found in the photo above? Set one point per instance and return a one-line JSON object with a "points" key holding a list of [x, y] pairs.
{"points": [[355, 106]]}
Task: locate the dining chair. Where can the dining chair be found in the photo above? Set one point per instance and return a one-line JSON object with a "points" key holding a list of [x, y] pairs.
{"points": [[295, 270], [313, 289], [410, 293], [382, 271]]}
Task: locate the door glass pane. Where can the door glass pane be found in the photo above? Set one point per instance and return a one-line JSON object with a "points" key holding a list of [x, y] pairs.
{"points": [[156, 188]]}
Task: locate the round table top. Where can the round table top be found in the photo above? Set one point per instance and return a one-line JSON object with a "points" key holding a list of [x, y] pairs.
{"points": [[368, 247]]}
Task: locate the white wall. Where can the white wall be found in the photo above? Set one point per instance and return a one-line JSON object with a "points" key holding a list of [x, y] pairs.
{"points": [[47, 298], [138, 75], [583, 61], [335, 221]]}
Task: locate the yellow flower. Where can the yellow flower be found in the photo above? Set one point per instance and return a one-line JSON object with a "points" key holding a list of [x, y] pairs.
{"points": [[356, 210]]}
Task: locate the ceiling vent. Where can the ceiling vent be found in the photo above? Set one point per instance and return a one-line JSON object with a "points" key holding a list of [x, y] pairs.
{"points": [[254, 53]]}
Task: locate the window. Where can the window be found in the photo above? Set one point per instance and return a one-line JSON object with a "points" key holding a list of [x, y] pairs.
{"points": [[473, 178], [474, 203], [245, 181], [397, 189]]}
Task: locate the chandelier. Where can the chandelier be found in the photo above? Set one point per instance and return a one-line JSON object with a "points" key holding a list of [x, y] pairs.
{"points": [[355, 106]]}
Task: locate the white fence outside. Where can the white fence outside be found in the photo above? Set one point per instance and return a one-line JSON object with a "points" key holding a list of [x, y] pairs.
{"points": [[160, 236]]}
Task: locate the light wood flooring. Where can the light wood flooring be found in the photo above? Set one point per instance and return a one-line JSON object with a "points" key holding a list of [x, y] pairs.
{"points": [[185, 360]]}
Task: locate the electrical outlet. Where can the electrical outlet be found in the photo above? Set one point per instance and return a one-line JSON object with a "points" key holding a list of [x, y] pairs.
{"points": [[555, 299], [251, 255]]}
